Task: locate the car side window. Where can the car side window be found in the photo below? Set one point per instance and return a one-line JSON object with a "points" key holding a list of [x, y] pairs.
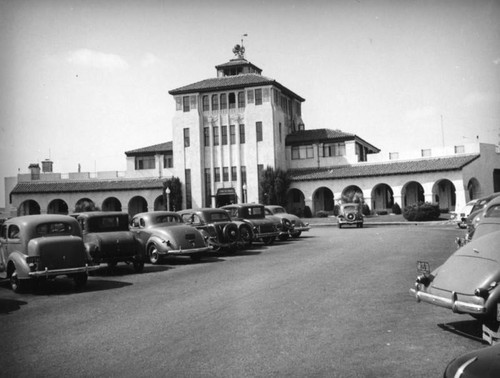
{"points": [[196, 219], [142, 223], [13, 232], [134, 223]]}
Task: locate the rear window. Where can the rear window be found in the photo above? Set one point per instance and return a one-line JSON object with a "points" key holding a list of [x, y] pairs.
{"points": [[493, 212], [254, 212], [218, 217], [55, 228], [172, 218], [108, 224]]}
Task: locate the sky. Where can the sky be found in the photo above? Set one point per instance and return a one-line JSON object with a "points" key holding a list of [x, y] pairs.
{"points": [[83, 81]]}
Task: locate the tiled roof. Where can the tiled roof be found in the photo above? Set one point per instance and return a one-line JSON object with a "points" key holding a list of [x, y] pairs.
{"points": [[324, 135], [449, 163], [237, 62], [162, 147], [231, 82], [71, 186]]}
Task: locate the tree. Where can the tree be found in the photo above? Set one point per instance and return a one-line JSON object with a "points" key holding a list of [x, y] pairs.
{"points": [[273, 186], [175, 197]]}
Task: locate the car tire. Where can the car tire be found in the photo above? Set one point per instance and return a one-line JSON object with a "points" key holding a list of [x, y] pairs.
{"points": [[80, 280], [138, 266], [296, 234], [246, 235], [283, 237], [154, 256], [269, 240]]}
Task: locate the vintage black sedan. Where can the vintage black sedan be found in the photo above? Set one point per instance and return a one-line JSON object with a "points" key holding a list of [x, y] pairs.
{"points": [[480, 363], [216, 226], [467, 283], [292, 223], [42, 247], [163, 233], [108, 239], [254, 216]]}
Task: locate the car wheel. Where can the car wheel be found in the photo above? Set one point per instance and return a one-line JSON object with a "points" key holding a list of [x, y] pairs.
{"points": [[283, 237], [154, 256], [80, 280], [269, 240], [17, 285], [138, 266], [246, 235], [340, 225], [296, 234]]}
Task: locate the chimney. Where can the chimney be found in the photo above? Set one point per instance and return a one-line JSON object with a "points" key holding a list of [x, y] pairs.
{"points": [[35, 171], [47, 166]]}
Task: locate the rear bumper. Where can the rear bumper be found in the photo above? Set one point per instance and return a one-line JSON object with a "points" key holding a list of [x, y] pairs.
{"points": [[300, 228], [189, 251], [266, 235], [60, 272], [451, 302]]}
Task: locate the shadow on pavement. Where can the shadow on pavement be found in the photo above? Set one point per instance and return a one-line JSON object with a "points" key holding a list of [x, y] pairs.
{"points": [[10, 305], [472, 329]]}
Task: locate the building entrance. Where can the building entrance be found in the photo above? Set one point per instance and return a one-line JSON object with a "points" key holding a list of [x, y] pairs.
{"points": [[225, 196]]}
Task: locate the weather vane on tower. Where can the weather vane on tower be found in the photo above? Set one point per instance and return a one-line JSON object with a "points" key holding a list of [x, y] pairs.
{"points": [[239, 50]]}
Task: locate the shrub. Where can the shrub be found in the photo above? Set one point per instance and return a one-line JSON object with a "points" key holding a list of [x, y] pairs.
{"points": [[381, 212], [365, 209], [307, 212], [421, 212], [321, 214], [396, 209]]}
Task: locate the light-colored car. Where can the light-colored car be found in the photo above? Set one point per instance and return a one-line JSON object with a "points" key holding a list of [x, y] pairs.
{"points": [[296, 227], [42, 247], [488, 220], [108, 239], [254, 216], [467, 283], [477, 209], [216, 226], [349, 214], [460, 217], [163, 233]]}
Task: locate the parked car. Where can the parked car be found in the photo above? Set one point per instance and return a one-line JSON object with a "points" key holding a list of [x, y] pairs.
{"points": [[350, 213], [254, 216], [477, 209], [297, 226], [460, 217], [216, 226], [163, 233], [467, 282], [488, 220], [42, 246], [480, 363], [108, 239], [282, 225]]}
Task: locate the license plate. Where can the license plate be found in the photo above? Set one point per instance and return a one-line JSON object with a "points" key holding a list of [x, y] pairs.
{"points": [[423, 267]]}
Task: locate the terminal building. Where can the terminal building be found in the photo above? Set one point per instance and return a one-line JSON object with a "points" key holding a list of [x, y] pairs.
{"points": [[229, 128]]}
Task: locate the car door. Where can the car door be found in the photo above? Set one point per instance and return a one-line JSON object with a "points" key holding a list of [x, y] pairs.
{"points": [[3, 251], [138, 227]]}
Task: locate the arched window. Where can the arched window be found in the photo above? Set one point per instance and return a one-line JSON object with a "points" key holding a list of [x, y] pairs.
{"points": [[206, 105], [232, 100], [215, 102]]}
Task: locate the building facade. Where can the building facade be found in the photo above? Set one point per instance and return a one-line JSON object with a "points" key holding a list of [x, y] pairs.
{"points": [[227, 129]]}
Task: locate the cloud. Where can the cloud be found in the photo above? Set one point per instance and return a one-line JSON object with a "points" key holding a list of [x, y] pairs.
{"points": [[420, 113], [149, 60], [96, 59]]}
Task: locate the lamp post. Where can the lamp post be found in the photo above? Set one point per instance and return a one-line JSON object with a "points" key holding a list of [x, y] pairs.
{"points": [[244, 193], [167, 192]]}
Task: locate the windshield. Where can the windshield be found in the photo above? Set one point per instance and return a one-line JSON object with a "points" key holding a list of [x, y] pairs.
{"points": [[52, 229], [108, 223], [279, 210], [171, 218], [255, 212], [351, 208]]}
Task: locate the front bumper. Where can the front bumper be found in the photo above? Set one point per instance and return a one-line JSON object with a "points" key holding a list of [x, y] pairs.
{"points": [[300, 228], [451, 302], [181, 251], [60, 272], [257, 236]]}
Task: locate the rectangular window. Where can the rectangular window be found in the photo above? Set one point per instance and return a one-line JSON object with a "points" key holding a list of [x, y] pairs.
{"points": [[250, 96], [309, 152], [266, 94], [223, 101], [168, 161], [217, 174], [276, 97], [258, 126], [426, 152], [215, 102], [279, 126], [234, 173], [232, 134], [459, 149], [232, 100], [178, 103], [206, 136], [243, 174], [393, 155], [216, 135], [241, 100], [295, 152], [206, 105], [258, 96], [189, 202], [187, 142], [225, 173], [144, 162], [208, 187], [334, 149], [185, 103], [242, 134], [223, 135], [194, 101]]}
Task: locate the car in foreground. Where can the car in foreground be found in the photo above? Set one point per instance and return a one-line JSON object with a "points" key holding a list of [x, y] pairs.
{"points": [[163, 233], [216, 226], [350, 214], [480, 363], [254, 216], [468, 282], [108, 239], [292, 223], [460, 217], [42, 247]]}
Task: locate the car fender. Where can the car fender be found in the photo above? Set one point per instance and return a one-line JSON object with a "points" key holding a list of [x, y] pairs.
{"points": [[159, 242], [18, 260], [493, 301]]}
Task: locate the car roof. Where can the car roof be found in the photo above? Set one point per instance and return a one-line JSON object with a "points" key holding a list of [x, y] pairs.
{"points": [[39, 218], [93, 214]]}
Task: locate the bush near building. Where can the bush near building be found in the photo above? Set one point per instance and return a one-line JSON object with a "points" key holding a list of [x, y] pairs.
{"points": [[422, 211]]}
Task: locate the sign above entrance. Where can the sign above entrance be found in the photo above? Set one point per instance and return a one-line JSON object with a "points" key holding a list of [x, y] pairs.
{"points": [[225, 191]]}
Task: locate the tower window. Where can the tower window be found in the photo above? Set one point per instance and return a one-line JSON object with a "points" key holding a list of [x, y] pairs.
{"points": [[241, 100], [206, 105], [215, 102], [185, 103], [258, 97], [223, 101], [258, 126], [232, 100]]}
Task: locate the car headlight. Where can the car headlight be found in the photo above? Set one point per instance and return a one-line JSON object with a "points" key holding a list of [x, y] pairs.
{"points": [[482, 293], [424, 280]]}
